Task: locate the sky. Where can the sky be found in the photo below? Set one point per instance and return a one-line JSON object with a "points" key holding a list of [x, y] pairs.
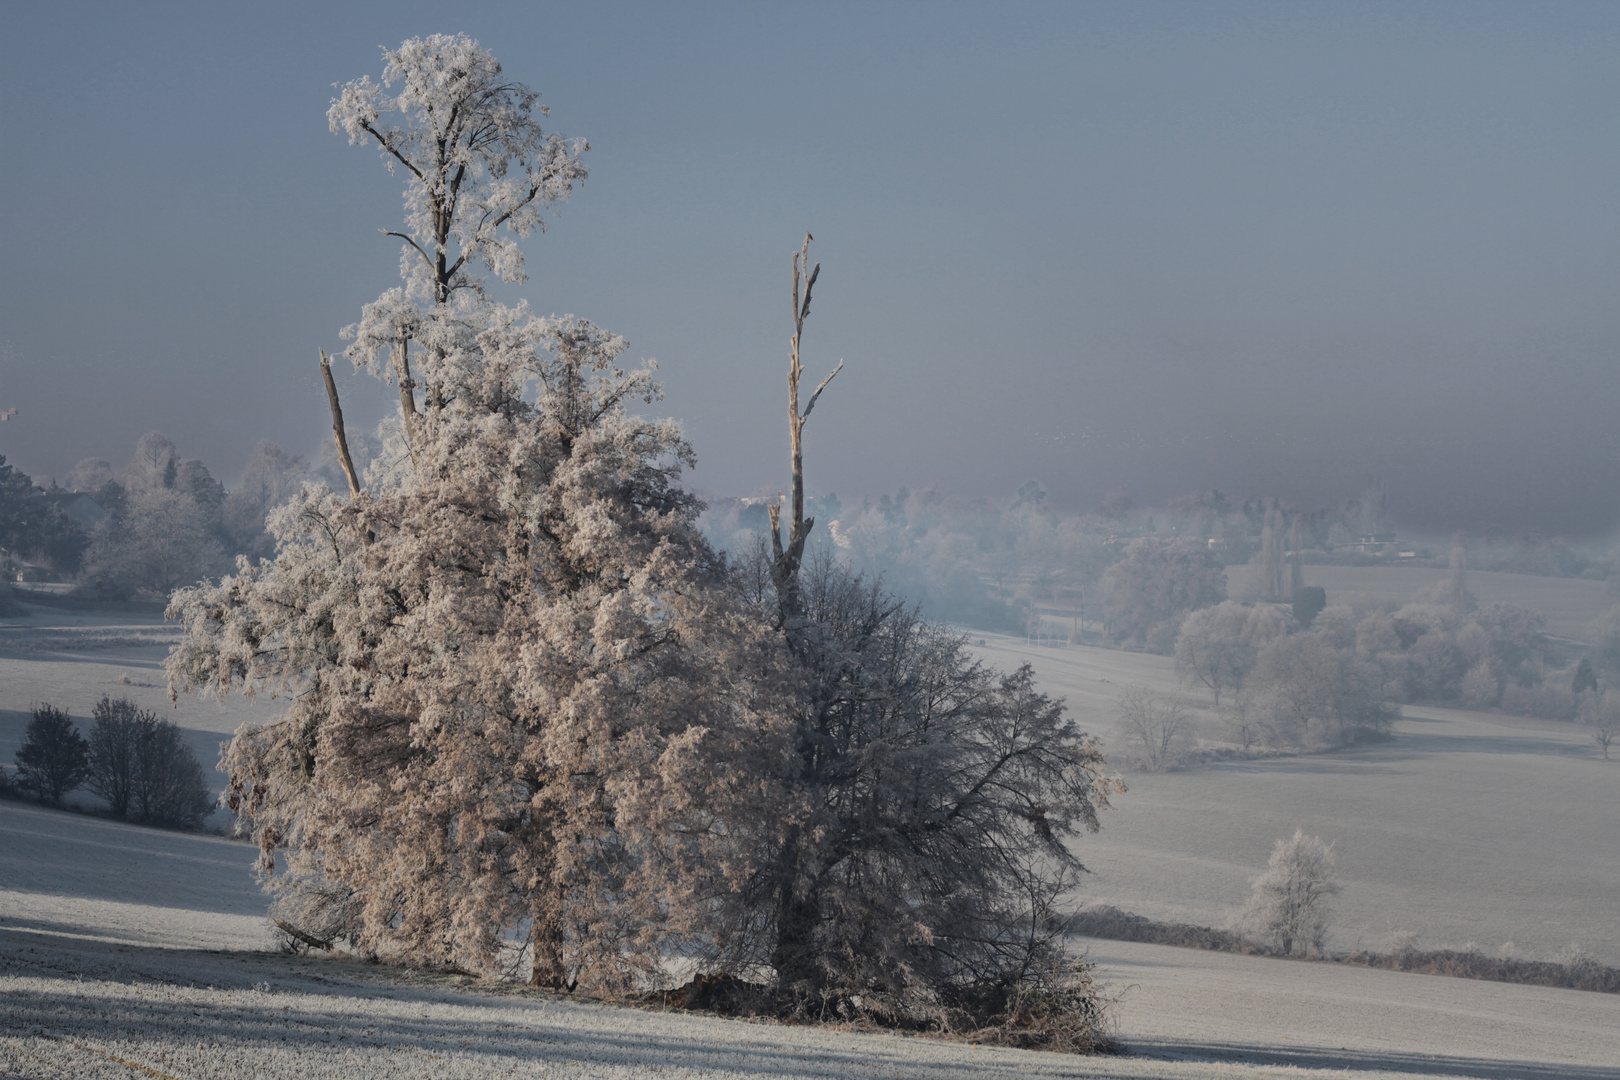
{"points": [[1272, 249]]}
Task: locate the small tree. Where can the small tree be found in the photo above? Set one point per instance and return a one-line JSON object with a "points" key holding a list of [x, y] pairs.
{"points": [[53, 759], [1602, 713], [139, 762], [1159, 723], [1289, 906], [112, 751]]}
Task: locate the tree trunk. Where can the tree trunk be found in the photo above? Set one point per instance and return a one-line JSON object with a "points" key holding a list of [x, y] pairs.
{"points": [[549, 971]]}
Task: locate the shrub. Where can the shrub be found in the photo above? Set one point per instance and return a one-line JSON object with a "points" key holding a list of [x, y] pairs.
{"points": [[139, 764], [54, 758]]}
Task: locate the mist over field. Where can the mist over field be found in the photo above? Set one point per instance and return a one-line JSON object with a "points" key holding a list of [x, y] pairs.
{"points": [[1172, 628]]}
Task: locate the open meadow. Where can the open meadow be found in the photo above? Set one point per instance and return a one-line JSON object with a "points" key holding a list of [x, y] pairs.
{"points": [[1465, 828], [127, 951]]}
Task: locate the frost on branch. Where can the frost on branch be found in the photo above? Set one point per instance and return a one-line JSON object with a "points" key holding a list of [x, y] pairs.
{"points": [[479, 174], [476, 158]]}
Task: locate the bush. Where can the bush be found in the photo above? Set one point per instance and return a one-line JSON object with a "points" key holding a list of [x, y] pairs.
{"points": [[54, 758], [140, 765]]}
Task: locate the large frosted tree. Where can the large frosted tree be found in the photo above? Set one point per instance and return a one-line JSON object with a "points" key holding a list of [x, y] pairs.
{"points": [[503, 655]]}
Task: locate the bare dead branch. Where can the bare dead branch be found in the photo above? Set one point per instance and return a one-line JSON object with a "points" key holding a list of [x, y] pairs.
{"points": [[408, 240], [339, 435], [819, 389]]}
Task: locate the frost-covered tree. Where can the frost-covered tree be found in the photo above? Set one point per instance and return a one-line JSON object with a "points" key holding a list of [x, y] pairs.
{"points": [[1313, 692], [160, 538], [1217, 646], [913, 865], [479, 174], [514, 669], [52, 760], [1289, 905], [1156, 585]]}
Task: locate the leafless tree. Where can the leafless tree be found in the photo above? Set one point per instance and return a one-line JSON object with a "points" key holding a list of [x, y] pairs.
{"points": [[140, 765], [1159, 724], [1601, 711]]}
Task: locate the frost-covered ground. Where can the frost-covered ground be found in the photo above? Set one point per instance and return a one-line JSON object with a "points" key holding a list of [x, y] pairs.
{"points": [[130, 952], [1466, 828]]}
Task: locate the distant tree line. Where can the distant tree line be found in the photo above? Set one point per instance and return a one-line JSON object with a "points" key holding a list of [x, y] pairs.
{"points": [[160, 522]]}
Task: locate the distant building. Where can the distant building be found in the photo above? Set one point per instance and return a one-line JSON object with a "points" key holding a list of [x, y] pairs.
{"points": [[1376, 544]]}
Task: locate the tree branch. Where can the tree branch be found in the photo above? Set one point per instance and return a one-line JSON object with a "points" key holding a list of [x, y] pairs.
{"points": [[413, 243], [825, 381], [366, 126], [338, 433]]}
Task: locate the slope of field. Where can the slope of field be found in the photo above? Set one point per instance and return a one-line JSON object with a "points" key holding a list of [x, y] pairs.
{"points": [[1568, 603], [1466, 828], [129, 952], [71, 657]]}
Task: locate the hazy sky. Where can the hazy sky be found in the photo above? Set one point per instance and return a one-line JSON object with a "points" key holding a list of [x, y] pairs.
{"points": [[1269, 248]]}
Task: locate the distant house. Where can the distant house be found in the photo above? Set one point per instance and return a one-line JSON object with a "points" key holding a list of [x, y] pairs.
{"points": [[1376, 544], [80, 508]]}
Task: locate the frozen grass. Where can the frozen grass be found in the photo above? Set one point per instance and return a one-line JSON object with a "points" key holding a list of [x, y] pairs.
{"points": [[128, 952], [1467, 827]]}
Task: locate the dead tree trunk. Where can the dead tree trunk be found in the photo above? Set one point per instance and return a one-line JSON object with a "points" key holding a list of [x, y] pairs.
{"points": [[787, 556], [798, 908], [407, 392]]}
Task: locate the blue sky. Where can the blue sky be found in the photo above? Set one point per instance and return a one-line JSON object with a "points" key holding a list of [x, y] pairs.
{"points": [[1269, 248]]}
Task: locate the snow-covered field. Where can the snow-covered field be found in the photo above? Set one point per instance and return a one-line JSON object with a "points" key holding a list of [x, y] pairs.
{"points": [[1466, 828], [130, 952]]}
